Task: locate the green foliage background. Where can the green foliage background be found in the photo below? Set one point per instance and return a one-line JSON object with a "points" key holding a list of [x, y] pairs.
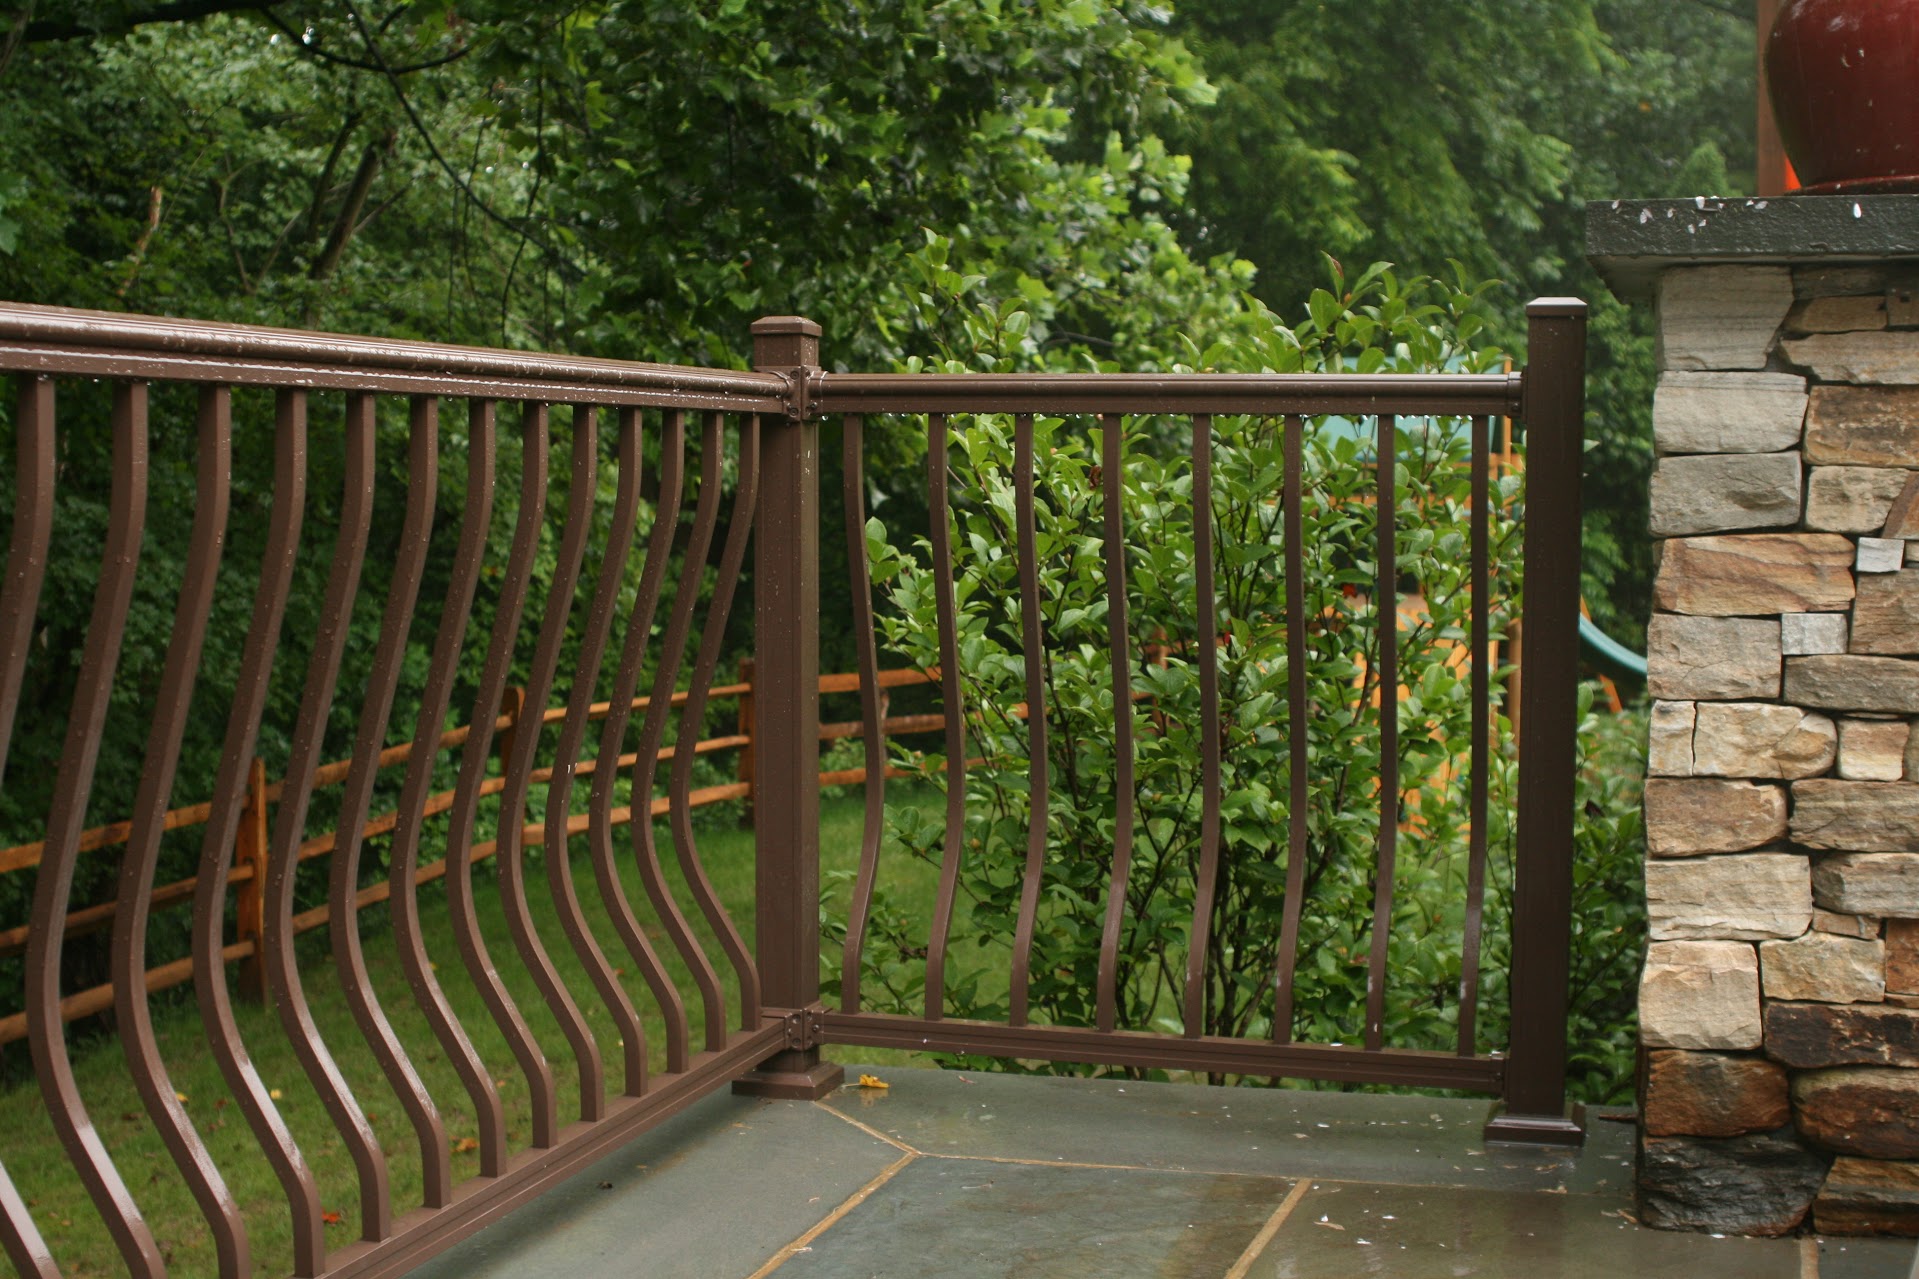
{"points": [[1123, 185]]}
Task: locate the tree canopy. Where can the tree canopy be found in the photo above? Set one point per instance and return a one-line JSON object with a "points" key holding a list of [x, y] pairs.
{"points": [[643, 178]]}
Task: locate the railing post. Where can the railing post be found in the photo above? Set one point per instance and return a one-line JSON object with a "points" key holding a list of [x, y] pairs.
{"points": [[250, 851], [786, 696], [747, 728], [1554, 409]]}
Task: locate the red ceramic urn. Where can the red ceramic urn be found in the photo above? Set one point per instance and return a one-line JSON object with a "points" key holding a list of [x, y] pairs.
{"points": [[1843, 76]]}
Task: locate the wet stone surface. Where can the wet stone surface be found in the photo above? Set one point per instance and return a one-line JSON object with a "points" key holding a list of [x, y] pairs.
{"points": [[951, 1173]]}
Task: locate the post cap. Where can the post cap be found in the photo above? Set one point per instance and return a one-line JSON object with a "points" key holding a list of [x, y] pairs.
{"points": [[1548, 308], [782, 325], [783, 342]]}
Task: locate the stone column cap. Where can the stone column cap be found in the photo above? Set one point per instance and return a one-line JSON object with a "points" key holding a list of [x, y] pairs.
{"points": [[1633, 241]]}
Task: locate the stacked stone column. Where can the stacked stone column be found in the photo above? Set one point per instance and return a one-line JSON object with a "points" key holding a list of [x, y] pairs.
{"points": [[1779, 1008]]}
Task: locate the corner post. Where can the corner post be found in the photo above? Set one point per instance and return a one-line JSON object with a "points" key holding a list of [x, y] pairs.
{"points": [[786, 676], [1553, 394]]}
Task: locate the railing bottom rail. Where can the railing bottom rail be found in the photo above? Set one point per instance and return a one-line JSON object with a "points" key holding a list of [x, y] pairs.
{"points": [[1203, 1053], [424, 1233]]}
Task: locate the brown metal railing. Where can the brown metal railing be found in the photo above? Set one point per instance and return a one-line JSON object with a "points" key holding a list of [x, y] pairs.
{"points": [[767, 1038], [1530, 1074]]}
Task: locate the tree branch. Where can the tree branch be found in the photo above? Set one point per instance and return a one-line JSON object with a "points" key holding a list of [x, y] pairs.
{"points": [[301, 43], [177, 11], [348, 222], [433, 149]]}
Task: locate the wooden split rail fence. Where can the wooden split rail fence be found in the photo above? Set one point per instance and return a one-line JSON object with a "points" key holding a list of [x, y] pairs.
{"points": [[249, 872]]}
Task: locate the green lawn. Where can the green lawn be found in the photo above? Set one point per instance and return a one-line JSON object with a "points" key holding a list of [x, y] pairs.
{"points": [[38, 1163]]}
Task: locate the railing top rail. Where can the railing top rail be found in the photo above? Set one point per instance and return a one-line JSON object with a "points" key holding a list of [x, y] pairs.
{"points": [[52, 340], [1458, 394]]}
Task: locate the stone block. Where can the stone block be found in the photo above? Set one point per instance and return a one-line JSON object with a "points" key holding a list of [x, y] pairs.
{"points": [[1669, 741], [1845, 682], [1762, 739], [1712, 658], [1880, 555], [1758, 1184], [1741, 574], [1700, 995], [1851, 499], [1815, 1036], [1873, 750], [1748, 897], [1882, 884], [1839, 314], [1822, 280], [1688, 816], [1721, 317], [1867, 817], [1720, 492], [1862, 359], [1802, 634], [1728, 412], [1885, 613], [1902, 307], [1902, 517], [1863, 426], [1691, 1094], [1912, 758], [1820, 966], [1840, 925], [1859, 1110], [1902, 956], [1868, 1197]]}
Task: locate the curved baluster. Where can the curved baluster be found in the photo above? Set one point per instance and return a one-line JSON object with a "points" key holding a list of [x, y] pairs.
{"points": [[1480, 747], [404, 859], [853, 490], [1386, 624], [659, 706], [343, 925], [53, 1068], [289, 825], [212, 491], [1119, 639], [579, 711], [745, 502], [518, 769], [1206, 609], [1296, 656], [26, 569], [223, 821], [954, 707], [626, 681], [27, 550], [1033, 658], [463, 816]]}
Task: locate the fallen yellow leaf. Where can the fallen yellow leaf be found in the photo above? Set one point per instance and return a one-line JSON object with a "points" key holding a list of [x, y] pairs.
{"points": [[873, 1081], [465, 1144], [274, 1093], [180, 1097]]}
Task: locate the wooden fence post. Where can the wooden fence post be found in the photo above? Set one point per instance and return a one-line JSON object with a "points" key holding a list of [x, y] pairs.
{"points": [[749, 730], [512, 706], [786, 639], [250, 851]]}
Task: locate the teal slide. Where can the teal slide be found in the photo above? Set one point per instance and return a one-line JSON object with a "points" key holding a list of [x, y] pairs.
{"points": [[1608, 654]]}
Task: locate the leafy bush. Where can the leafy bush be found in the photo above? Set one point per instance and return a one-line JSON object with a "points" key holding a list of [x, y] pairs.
{"points": [[1377, 323]]}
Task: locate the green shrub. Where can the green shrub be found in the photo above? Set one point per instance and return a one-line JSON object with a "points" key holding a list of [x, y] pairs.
{"points": [[1379, 323]]}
